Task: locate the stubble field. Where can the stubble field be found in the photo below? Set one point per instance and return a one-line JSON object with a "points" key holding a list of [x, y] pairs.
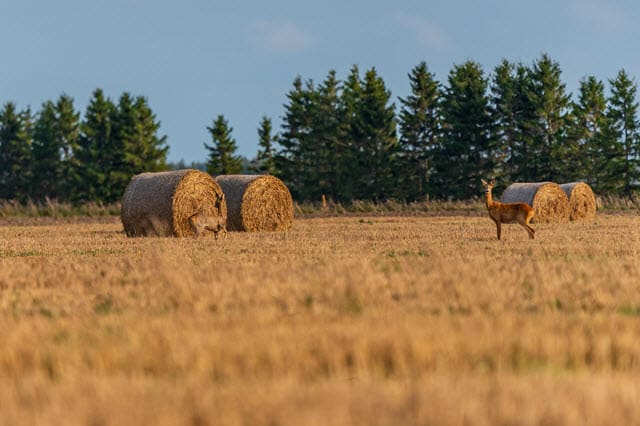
{"points": [[341, 321]]}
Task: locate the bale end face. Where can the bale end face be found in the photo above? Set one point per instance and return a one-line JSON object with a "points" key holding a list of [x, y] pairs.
{"points": [[582, 201], [257, 203]]}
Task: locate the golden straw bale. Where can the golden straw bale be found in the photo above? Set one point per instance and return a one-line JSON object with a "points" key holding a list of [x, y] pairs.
{"points": [[582, 200], [256, 202], [162, 203], [548, 200]]}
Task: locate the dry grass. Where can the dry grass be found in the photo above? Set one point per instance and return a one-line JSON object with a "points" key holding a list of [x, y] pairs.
{"points": [[346, 321]]}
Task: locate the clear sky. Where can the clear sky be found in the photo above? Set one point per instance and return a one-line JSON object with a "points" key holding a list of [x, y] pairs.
{"points": [[195, 59]]}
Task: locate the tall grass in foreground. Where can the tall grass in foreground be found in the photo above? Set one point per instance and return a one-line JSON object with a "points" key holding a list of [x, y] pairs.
{"points": [[341, 321]]}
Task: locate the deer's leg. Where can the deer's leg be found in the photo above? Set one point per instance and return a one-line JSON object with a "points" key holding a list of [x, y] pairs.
{"points": [[527, 228], [498, 229], [530, 230]]}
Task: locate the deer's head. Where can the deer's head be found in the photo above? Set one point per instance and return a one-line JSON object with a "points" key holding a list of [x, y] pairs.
{"points": [[488, 186]]}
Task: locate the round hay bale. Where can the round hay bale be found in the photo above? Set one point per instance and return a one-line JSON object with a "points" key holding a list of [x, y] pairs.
{"points": [[548, 200], [162, 203], [256, 202], [582, 200]]}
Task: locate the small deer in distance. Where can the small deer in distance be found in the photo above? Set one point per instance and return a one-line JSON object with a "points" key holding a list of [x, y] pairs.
{"points": [[201, 222], [520, 213]]}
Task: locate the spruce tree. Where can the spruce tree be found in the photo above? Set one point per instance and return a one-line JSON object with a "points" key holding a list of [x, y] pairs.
{"points": [[326, 142], [264, 161], [505, 99], [154, 147], [377, 148], [595, 156], [551, 106], [222, 159], [420, 127], [350, 100], [525, 121], [465, 155], [95, 155], [623, 117], [67, 135], [15, 152], [296, 124], [46, 155]]}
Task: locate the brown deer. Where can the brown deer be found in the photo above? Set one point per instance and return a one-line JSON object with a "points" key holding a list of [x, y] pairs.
{"points": [[520, 213], [201, 222]]}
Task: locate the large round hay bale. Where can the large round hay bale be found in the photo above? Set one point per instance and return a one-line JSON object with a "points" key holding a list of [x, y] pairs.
{"points": [[162, 203], [256, 202], [582, 200], [548, 200]]}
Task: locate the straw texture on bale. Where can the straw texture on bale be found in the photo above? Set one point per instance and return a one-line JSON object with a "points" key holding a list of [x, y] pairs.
{"points": [[582, 200], [256, 203], [161, 203], [548, 200]]}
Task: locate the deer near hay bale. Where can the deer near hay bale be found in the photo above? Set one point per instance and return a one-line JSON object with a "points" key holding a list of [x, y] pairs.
{"points": [[520, 213], [201, 223]]}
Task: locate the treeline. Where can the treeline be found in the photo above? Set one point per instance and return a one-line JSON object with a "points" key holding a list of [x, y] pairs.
{"points": [[345, 140], [56, 154], [348, 141]]}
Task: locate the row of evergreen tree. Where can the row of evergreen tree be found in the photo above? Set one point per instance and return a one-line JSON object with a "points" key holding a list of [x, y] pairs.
{"points": [[344, 139], [55, 154]]}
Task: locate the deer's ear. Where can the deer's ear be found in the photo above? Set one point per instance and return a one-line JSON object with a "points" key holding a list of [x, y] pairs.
{"points": [[484, 182], [493, 182]]}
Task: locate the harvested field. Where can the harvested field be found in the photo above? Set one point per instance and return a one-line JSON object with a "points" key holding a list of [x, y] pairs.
{"points": [[347, 321]]}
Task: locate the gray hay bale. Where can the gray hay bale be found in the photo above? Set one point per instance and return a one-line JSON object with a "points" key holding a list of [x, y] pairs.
{"points": [[256, 203], [161, 203], [547, 199]]}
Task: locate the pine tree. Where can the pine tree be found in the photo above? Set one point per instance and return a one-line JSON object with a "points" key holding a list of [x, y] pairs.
{"points": [[15, 152], [153, 147], [264, 161], [222, 159], [127, 139], [95, 156], [505, 99], [46, 155], [377, 143], [67, 135], [623, 117], [595, 156], [465, 155], [551, 106], [296, 124], [420, 127], [351, 158], [523, 147], [326, 145]]}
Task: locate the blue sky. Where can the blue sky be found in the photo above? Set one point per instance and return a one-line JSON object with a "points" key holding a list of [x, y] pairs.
{"points": [[195, 59]]}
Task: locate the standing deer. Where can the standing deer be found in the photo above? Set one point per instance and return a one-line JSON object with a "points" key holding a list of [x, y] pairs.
{"points": [[520, 213]]}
